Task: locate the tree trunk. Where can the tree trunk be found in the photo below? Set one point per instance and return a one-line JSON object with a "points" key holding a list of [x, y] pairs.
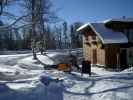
{"points": [[34, 49], [33, 30]]}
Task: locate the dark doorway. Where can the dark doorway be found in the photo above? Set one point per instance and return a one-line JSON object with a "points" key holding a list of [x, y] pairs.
{"points": [[123, 58], [94, 56]]}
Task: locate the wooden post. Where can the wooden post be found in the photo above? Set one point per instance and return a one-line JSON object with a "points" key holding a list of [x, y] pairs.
{"points": [[118, 61]]}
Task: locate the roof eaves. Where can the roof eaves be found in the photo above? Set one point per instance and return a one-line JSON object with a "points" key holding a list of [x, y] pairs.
{"points": [[83, 27], [97, 33]]}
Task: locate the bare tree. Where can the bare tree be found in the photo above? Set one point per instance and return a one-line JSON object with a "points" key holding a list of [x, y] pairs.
{"points": [[76, 39], [41, 15], [65, 34], [34, 14], [2, 4], [35, 17]]}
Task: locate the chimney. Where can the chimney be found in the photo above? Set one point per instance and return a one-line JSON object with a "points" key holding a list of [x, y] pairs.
{"points": [[123, 17]]}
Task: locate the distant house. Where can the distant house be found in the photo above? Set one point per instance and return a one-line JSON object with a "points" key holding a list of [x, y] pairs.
{"points": [[109, 43]]}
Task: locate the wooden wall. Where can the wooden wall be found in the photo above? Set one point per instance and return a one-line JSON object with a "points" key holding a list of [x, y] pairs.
{"points": [[108, 56], [111, 55], [95, 55], [101, 57], [86, 49]]}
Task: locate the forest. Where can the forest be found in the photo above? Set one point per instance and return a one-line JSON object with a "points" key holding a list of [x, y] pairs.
{"points": [[37, 27]]}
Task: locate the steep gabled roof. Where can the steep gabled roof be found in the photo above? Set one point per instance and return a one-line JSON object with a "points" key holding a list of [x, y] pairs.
{"points": [[106, 35]]}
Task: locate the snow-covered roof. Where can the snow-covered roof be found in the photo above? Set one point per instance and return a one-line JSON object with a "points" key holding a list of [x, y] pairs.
{"points": [[119, 20], [106, 35], [83, 26]]}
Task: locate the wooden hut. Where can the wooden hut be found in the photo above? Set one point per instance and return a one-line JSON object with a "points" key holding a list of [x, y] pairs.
{"points": [[109, 43]]}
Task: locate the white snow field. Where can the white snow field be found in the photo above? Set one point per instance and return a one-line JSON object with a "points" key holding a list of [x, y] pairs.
{"points": [[20, 80]]}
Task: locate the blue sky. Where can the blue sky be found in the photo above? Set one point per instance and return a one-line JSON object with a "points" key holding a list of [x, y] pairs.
{"points": [[93, 10]]}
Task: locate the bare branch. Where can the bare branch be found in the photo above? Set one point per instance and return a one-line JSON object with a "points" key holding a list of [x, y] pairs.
{"points": [[17, 20]]}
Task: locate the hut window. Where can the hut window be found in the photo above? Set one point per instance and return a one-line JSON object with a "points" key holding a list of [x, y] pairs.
{"points": [[131, 35], [93, 37], [127, 31], [87, 43], [86, 38], [130, 54]]}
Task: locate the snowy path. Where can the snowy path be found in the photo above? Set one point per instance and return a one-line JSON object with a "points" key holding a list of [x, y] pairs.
{"points": [[101, 88], [25, 84], [12, 59], [117, 86], [10, 69]]}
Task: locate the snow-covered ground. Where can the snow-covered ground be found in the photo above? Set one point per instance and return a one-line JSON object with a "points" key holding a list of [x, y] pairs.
{"points": [[20, 80]]}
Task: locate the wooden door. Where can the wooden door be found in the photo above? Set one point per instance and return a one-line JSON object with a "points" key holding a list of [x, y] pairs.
{"points": [[123, 58]]}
